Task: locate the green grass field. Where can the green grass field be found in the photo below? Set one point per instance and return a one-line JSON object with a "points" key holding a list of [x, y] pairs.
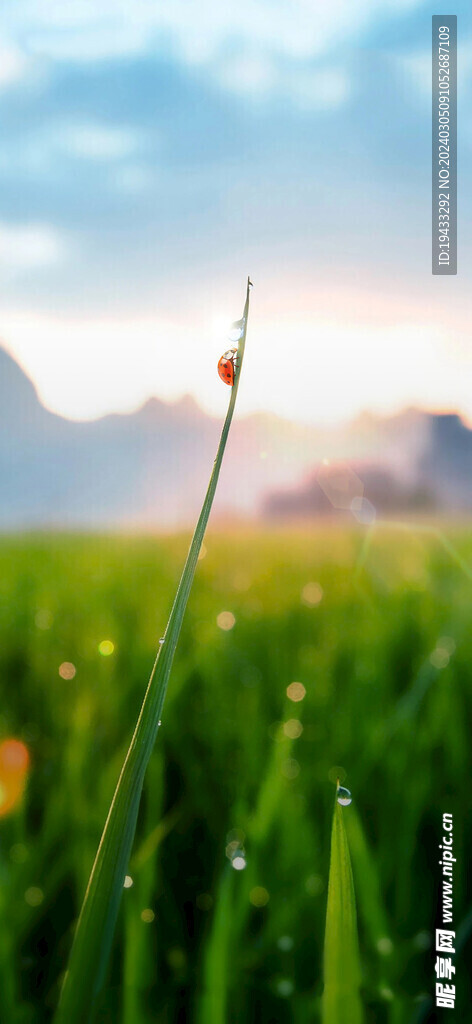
{"points": [[382, 644]]}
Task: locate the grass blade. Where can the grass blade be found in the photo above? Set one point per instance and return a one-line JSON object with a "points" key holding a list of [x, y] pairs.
{"points": [[342, 975], [94, 934]]}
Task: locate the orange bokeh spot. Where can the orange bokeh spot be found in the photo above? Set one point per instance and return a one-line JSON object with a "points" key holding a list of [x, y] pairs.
{"points": [[14, 762]]}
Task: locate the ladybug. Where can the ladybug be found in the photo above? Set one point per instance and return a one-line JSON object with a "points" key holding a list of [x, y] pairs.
{"points": [[227, 366]]}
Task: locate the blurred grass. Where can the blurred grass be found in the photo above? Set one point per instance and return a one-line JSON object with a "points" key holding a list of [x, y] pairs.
{"points": [[385, 658]]}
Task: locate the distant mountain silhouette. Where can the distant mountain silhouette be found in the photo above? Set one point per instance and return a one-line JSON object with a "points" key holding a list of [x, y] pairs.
{"points": [[151, 468], [447, 461]]}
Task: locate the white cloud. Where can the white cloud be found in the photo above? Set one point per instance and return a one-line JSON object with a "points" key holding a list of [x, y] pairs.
{"points": [[263, 78], [12, 65], [29, 246], [415, 69], [95, 141], [254, 48], [41, 152], [200, 32], [247, 73], [133, 179], [320, 89]]}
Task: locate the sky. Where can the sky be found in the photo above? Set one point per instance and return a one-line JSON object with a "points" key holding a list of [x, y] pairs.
{"points": [[154, 155]]}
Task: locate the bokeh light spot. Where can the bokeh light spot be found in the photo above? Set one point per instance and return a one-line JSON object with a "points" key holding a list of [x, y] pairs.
{"points": [[284, 987], [106, 647], [296, 691], [147, 915], [204, 901], [67, 670], [293, 728], [312, 594], [14, 762], [290, 768], [259, 896], [225, 620], [14, 756], [18, 853], [34, 896], [238, 862], [236, 835], [176, 958], [363, 510], [385, 946], [314, 885], [43, 619], [340, 483]]}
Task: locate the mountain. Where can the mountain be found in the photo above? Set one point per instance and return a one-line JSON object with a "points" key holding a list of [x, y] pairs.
{"points": [[146, 468], [151, 467], [341, 490]]}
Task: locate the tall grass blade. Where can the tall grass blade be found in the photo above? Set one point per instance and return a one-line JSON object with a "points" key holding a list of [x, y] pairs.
{"points": [[342, 975], [94, 934]]}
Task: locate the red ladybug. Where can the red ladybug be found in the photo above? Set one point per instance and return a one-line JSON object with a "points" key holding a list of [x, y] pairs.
{"points": [[227, 366]]}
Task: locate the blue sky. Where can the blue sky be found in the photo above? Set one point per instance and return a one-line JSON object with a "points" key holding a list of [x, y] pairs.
{"points": [[155, 154]]}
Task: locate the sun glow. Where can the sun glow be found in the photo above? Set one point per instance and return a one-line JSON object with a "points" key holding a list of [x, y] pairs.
{"points": [[303, 368]]}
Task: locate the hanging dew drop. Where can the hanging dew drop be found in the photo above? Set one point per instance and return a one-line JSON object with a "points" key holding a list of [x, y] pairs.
{"points": [[343, 796], [161, 641], [237, 330]]}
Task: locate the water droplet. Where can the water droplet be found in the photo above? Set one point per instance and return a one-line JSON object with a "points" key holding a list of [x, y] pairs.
{"points": [[161, 641], [344, 796], [237, 330], [159, 724]]}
